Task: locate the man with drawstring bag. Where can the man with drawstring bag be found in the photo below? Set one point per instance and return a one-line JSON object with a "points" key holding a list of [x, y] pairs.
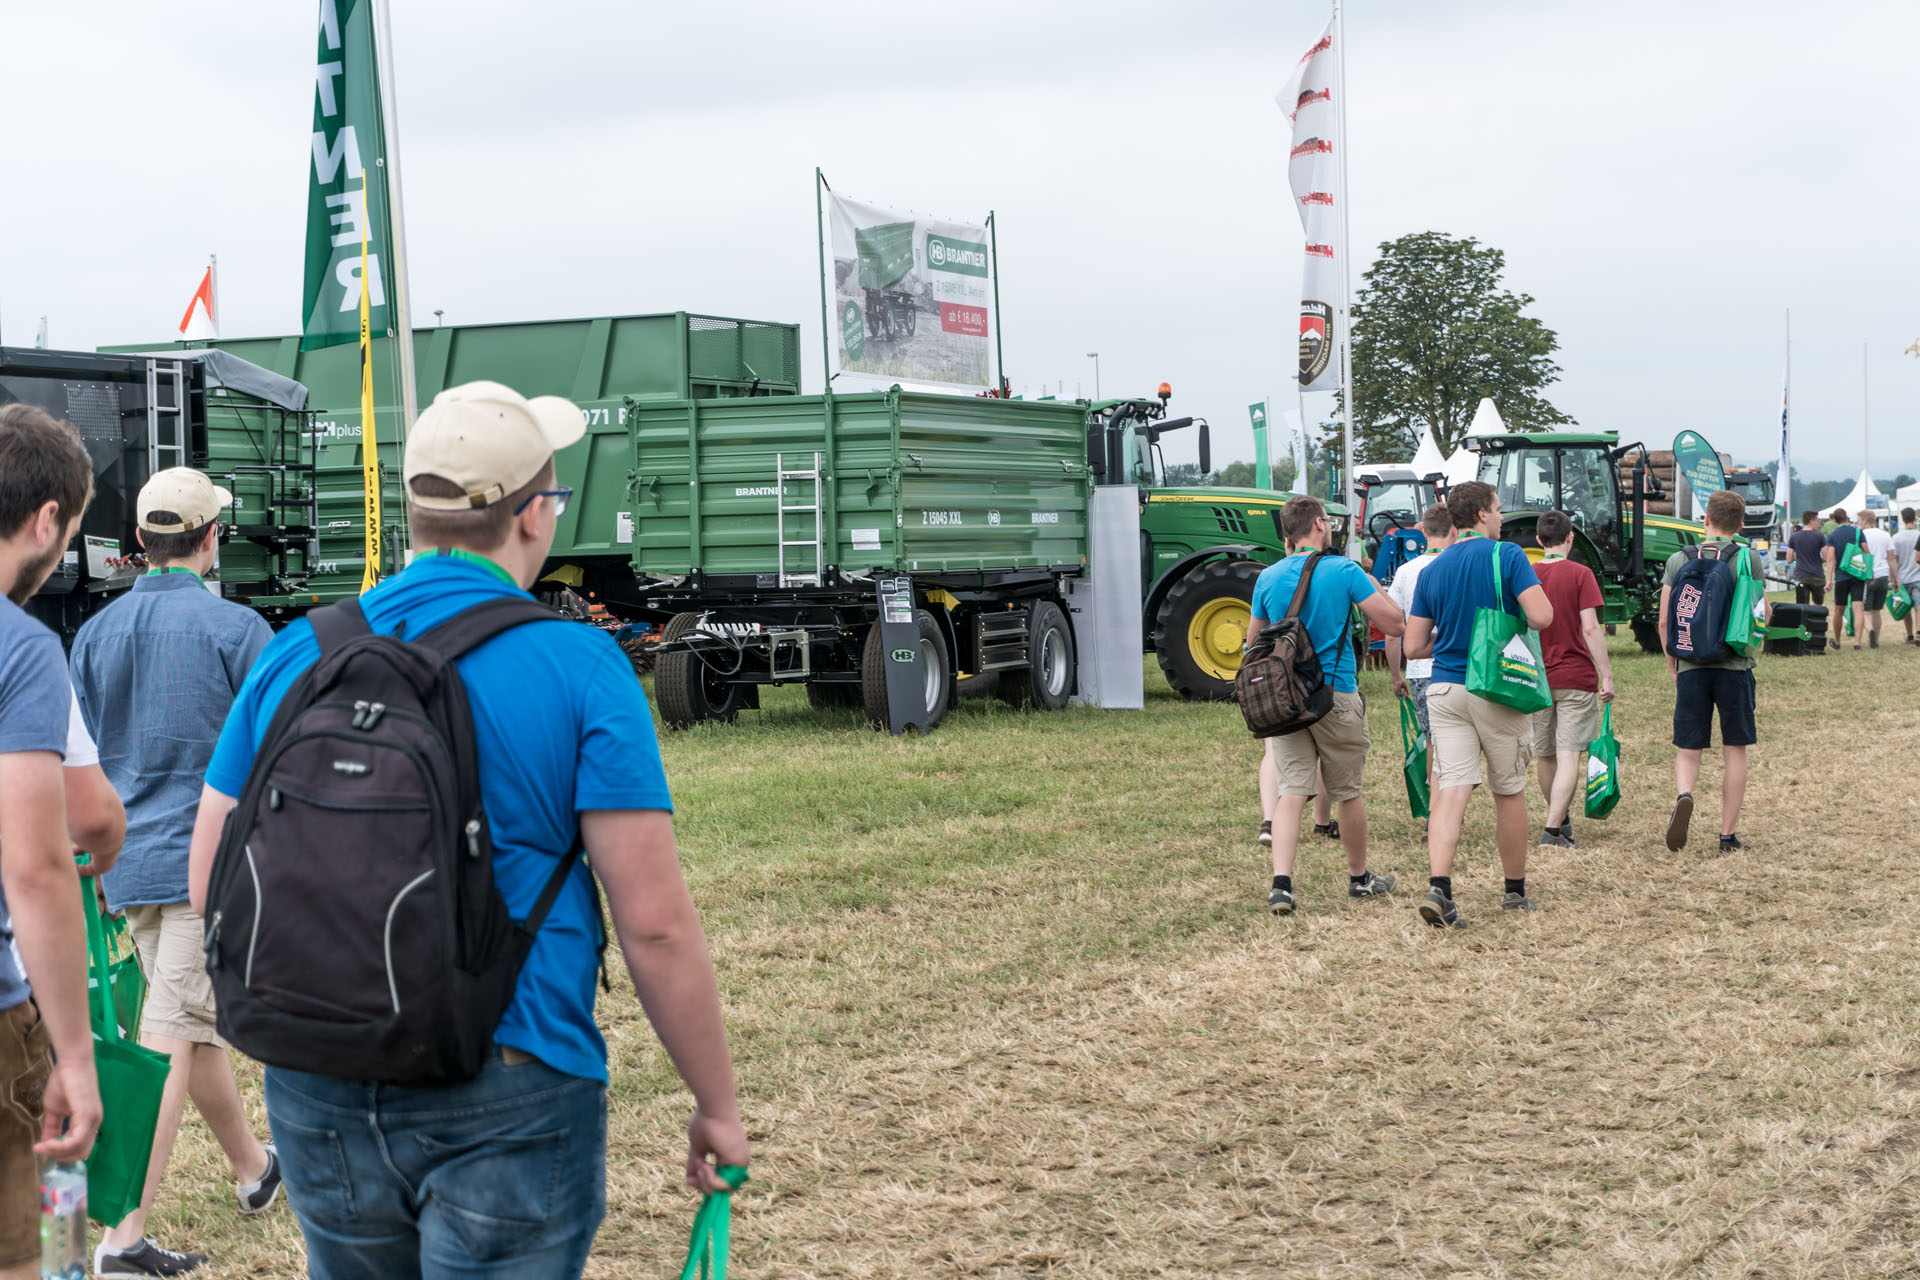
{"points": [[493, 1163], [1579, 673], [1710, 677]]}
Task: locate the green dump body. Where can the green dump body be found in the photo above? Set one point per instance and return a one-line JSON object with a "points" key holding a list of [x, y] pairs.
{"points": [[886, 253], [597, 363], [915, 482]]}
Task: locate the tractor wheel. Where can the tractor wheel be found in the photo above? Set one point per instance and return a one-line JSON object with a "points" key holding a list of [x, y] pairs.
{"points": [[1047, 681], [687, 689], [933, 666], [1201, 626], [1647, 631]]}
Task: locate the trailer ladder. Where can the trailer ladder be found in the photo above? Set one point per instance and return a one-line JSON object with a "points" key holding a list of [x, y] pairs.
{"points": [[811, 509], [167, 442]]}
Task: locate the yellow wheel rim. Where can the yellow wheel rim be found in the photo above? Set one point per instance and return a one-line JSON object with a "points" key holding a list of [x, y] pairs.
{"points": [[1214, 637]]}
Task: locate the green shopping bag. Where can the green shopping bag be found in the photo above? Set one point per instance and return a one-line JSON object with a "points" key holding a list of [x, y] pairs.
{"points": [[1414, 743], [1856, 559], [1745, 634], [1503, 658], [1603, 768], [1899, 602], [131, 1080], [707, 1251]]}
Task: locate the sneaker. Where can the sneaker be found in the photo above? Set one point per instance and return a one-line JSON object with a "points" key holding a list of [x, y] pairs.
{"points": [[257, 1196], [145, 1259], [1677, 824], [1732, 844], [1438, 911], [1280, 901], [1331, 831], [1518, 902], [1873, 640], [1554, 838], [1266, 833], [1566, 829], [1371, 886], [1832, 643]]}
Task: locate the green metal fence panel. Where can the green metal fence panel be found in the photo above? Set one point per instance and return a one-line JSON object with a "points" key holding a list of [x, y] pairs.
{"points": [[885, 252], [912, 481]]}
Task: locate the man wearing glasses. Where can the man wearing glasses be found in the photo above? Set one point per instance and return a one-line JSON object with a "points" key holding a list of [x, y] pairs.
{"points": [[505, 1174]]}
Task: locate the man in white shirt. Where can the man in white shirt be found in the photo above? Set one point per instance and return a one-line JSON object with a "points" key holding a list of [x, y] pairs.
{"points": [[1410, 675], [1906, 564], [1880, 543]]}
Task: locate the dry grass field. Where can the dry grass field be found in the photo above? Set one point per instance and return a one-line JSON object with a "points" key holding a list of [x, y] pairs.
{"points": [[1007, 1002]]}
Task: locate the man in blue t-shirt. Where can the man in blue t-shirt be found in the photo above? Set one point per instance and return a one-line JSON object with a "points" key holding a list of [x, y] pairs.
{"points": [[1335, 746], [1463, 726], [504, 1175]]}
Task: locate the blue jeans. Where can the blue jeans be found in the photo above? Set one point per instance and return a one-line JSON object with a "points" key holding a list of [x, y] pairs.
{"points": [[504, 1175]]}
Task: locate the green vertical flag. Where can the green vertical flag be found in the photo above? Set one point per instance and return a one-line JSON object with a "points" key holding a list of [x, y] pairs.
{"points": [[1262, 462], [346, 183]]}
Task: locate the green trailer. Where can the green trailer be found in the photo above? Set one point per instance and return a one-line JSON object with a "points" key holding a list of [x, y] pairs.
{"points": [[885, 252], [873, 547]]}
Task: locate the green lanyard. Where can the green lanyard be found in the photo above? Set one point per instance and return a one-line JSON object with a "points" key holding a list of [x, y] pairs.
{"points": [[456, 553], [164, 569], [1544, 559]]}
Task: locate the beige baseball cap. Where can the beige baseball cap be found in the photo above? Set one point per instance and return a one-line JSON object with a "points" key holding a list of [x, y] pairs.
{"points": [[488, 439], [183, 493]]}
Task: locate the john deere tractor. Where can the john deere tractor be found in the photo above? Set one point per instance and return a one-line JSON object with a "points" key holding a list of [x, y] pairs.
{"points": [[1200, 548], [1603, 487]]}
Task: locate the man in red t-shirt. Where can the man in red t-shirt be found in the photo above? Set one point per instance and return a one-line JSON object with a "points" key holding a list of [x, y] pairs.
{"points": [[1578, 672]]}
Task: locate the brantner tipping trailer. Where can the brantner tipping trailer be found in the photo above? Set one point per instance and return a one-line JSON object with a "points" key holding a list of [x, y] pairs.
{"points": [[869, 546]]}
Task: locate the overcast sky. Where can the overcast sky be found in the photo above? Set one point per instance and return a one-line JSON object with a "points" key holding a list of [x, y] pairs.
{"points": [[1665, 178]]}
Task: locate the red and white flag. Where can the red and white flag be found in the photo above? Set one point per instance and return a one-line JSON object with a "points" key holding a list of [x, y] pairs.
{"points": [[1312, 170], [199, 322]]}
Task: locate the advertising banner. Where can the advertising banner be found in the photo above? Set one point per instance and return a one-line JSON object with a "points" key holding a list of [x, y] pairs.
{"points": [[912, 295], [1262, 459], [1695, 459], [1312, 172], [346, 189]]}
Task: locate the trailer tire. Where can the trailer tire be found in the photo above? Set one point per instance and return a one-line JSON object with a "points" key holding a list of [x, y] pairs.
{"points": [[1647, 631], [1047, 681], [873, 673], [1192, 630], [686, 689]]}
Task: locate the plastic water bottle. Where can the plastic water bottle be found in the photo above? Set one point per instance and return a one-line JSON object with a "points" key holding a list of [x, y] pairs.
{"points": [[63, 1220]]}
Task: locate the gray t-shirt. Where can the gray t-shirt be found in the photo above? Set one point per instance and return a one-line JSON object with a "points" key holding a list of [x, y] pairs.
{"points": [[35, 701], [1903, 545]]}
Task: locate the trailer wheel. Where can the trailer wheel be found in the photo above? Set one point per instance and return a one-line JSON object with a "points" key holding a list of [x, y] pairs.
{"points": [[686, 688], [1647, 631], [1047, 681], [934, 665], [1201, 625]]}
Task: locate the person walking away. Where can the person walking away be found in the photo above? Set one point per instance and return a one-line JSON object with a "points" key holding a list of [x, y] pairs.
{"points": [[156, 671], [1703, 689], [1336, 744], [1809, 545], [1412, 675], [1880, 543], [503, 1174], [1905, 565], [1579, 673], [49, 1101], [1848, 592], [96, 820], [1466, 728]]}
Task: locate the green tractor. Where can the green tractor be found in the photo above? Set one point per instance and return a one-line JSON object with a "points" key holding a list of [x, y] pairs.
{"points": [[1604, 488], [1200, 548]]}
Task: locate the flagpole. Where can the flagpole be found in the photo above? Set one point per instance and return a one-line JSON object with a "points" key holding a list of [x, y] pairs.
{"points": [[1783, 479], [213, 292], [397, 229], [1346, 285]]}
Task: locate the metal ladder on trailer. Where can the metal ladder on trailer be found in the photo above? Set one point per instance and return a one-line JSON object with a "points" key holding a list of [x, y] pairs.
{"points": [[166, 423], [782, 509]]}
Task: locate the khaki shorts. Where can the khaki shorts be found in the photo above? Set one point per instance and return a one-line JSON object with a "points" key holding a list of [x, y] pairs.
{"points": [[25, 1063], [179, 992], [1336, 743], [1464, 729], [1568, 725]]}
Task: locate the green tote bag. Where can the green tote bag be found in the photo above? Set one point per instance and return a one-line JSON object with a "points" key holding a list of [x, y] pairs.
{"points": [[131, 1079], [1856, 559], [1503, 658], [1745, 633], [712, 1224], [1899, 602], [1414, 744], [1603, 768]]}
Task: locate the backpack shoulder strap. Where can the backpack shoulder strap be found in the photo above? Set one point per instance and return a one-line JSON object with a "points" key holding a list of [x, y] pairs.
{"points": [[1306, 578], [475, 625], [338, 623], [1691, 551]]}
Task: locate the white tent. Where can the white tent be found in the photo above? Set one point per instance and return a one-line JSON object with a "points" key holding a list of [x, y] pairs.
{"points": [[1427, 459], [1907, 497], [1866, 496], [1486, 420]]}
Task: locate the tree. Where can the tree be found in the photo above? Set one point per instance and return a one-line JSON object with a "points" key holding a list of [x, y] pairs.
{"points": [[1433, 332], [1185, 475], [1236, 475]]}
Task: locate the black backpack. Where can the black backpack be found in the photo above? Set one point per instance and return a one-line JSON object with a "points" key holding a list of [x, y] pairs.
{"points": [[1281, 688], [352, 927], [1700, 603]]}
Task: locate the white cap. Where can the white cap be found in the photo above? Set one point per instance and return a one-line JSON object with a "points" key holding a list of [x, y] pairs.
{"points": [[488, 439], [183, 494]]}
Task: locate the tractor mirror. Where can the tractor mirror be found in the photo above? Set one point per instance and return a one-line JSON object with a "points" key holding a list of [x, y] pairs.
{"points": [[1206, 452]]}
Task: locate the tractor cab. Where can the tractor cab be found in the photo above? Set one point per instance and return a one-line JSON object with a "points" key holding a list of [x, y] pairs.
{"points": [[1392, 500], [1123, 440]]}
